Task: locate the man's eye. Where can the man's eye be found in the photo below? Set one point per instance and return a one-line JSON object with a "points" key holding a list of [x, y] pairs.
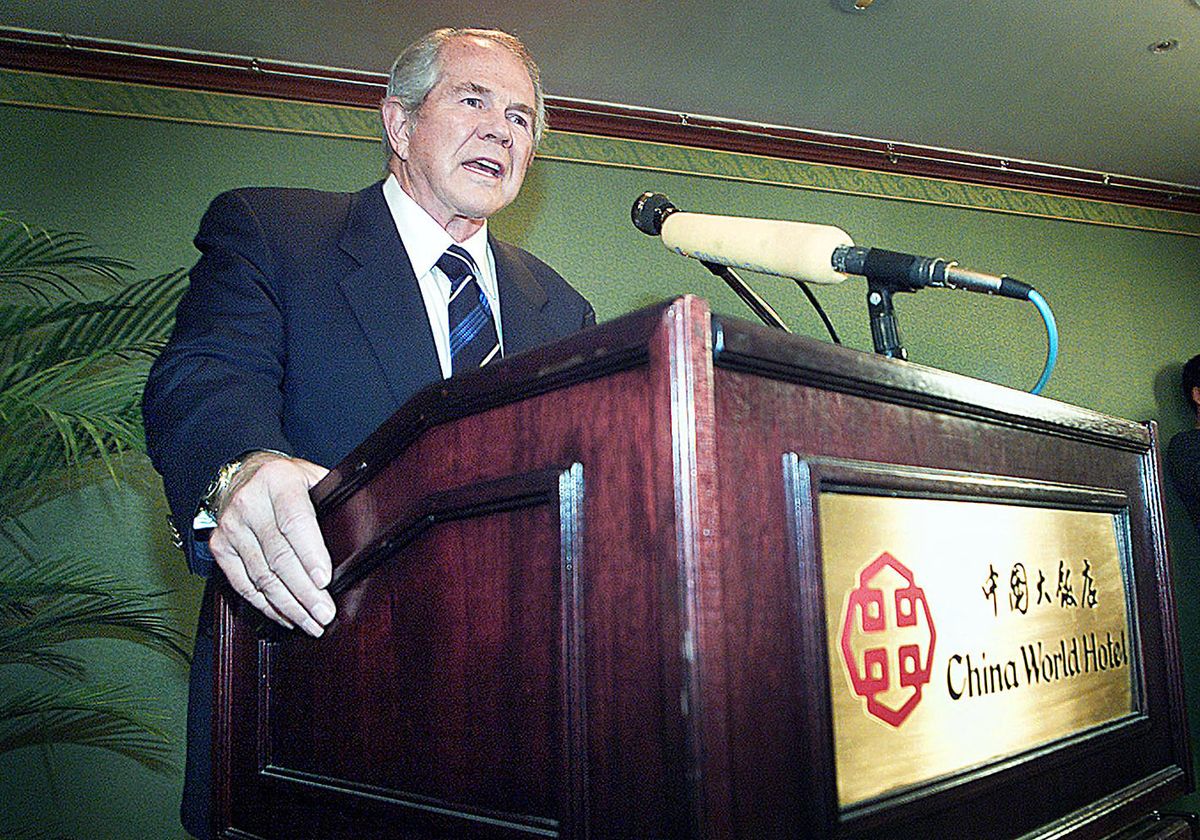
{"points": [[473, 101], [519, 119]]}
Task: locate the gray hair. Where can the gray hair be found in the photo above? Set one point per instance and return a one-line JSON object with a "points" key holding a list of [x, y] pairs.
{"points": [[417, 69]]}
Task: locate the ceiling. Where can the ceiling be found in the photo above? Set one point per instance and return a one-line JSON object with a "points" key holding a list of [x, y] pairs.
{"points": [[1067, 82]]}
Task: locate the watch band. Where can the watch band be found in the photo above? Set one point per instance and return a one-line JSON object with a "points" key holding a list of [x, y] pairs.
{"points": [[211, 503]]}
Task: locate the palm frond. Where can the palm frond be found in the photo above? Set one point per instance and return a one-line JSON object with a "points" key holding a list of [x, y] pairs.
{"points": [[71, 372], [77, 409], [71, 389], [44, 264], [15, 533], [45, 604], [137, 319], [107, 718], [76, 343], [19, 319], [46, 659], [141, 312]]}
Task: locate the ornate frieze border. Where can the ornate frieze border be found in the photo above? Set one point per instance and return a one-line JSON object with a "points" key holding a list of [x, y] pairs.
{"points": [[67, 73]]}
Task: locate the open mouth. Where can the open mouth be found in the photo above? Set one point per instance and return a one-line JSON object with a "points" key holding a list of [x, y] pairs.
{"points": [[485, 166]]}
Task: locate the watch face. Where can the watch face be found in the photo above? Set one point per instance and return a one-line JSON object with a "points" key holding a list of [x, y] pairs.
{"points": [[210, 504]]}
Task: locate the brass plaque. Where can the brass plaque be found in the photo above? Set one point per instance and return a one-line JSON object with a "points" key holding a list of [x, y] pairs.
{"points": [[962, 632]]}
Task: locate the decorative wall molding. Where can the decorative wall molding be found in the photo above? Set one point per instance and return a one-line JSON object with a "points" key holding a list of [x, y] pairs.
{"points": [[864, 153], [69, 55], [844, 180], [664, 141]]}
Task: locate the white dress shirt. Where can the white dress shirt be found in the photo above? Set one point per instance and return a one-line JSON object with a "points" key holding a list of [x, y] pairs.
{"points": [[425, 241]]}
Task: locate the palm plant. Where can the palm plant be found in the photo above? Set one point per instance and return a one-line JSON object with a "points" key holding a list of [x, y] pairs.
{"points": [[76, 342]]}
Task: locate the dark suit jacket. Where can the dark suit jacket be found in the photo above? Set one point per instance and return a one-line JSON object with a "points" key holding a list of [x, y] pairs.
{"points": [[303, 329]]}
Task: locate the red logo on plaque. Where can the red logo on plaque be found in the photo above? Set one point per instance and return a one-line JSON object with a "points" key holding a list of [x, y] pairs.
{"points": [[888, 607]]}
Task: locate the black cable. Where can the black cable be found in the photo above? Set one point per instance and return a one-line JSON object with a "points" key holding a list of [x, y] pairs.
{"points": [[820, 311]]}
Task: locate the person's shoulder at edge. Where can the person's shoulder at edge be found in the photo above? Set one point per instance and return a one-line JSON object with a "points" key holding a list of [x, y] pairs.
{"points": [[283, 204], [1184, 444]]}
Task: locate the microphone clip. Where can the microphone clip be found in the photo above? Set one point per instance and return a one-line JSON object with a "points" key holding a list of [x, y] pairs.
{"points": [[885, 330]]}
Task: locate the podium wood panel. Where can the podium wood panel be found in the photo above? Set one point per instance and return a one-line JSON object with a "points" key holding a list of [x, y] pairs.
{"points": [[578, 597]]}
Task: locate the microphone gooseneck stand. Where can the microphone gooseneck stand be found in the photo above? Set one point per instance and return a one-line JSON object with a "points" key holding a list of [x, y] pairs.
{"points": [[888, 272]]}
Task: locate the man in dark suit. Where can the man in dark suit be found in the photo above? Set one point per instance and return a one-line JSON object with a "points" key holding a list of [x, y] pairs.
{"points": [[311, 317]]}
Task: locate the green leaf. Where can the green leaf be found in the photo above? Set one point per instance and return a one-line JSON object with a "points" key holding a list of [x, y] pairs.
{"points": [[74, 410], [44, 265], [72, 380], [47, 603], [76, 343], [105, 717], [135, 319]]}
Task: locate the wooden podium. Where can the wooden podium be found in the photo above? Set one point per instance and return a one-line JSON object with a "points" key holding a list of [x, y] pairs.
{"points": [[586, 593]]}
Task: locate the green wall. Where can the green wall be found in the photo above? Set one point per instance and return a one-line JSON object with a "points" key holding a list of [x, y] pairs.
{"points": [[134, 167]]}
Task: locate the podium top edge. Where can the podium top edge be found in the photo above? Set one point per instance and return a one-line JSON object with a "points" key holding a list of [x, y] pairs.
{"points": [[735, 345]]}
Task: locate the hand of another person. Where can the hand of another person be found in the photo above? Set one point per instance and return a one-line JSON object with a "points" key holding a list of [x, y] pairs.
{"points": [[268, 543]]}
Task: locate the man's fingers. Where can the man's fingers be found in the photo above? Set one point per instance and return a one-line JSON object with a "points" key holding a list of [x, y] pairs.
{"points": [[285, 564], [240, 555], [270, 531], [284, 600], [295, 521], [272, 569], [235, 572], [305, 535], [271, 613]]}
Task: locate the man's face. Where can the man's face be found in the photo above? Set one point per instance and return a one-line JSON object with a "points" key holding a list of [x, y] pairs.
{"points": [[463, 155]]}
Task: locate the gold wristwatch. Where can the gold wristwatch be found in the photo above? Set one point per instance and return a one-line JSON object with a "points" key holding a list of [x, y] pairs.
{"points": [[210, 503]]}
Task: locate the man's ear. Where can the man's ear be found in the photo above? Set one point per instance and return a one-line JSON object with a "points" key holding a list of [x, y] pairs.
{"points": [[1196, 397], [397, 125]]}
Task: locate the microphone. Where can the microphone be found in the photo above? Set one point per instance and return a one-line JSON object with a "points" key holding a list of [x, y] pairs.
{"points": [[810, 253], [797, 250], [908, 273], [806, 252]]}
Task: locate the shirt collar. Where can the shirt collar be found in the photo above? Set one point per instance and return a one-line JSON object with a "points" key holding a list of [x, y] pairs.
{"points": [[424, 239]]}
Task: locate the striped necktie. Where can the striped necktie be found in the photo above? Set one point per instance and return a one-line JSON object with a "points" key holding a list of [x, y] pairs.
{"points": [[473, 340]]}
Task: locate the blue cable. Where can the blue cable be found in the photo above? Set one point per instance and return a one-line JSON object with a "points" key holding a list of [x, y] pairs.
{"points": [[1051, 339]]}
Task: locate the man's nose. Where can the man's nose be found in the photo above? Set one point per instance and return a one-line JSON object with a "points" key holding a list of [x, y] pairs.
{"points": [[498, 128]]}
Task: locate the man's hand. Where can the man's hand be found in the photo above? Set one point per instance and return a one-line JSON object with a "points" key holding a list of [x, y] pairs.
{"points": [[269, 545]]}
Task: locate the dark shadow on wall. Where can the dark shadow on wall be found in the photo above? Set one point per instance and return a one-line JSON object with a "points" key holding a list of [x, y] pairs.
{"points": [[1173, 413]]}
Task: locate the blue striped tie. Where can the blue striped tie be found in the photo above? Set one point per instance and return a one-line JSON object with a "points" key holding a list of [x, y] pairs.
{"points": [[473, 340]]}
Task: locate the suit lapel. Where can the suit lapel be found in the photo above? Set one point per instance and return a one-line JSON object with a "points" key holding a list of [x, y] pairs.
{"points": [[521, 300], [383, 293]]}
